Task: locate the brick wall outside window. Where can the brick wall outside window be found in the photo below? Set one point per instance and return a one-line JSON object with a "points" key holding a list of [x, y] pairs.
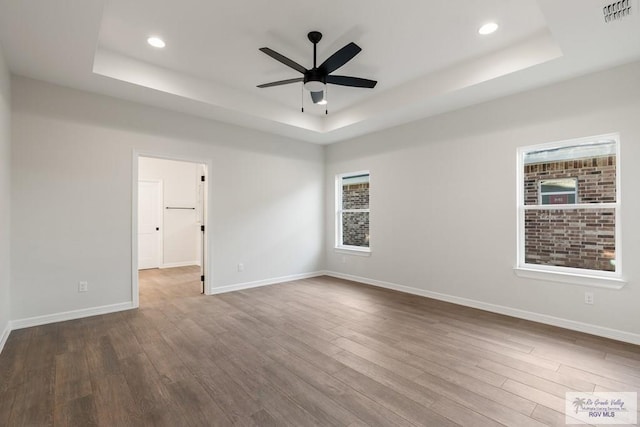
{"points": [[578, 238], [355, 225]]}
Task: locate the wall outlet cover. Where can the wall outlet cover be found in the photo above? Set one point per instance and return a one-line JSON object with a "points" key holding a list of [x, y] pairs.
{"points": [[588, 298]]}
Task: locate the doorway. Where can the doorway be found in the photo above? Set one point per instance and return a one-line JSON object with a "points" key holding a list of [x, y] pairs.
{"points": [[169, 243]]}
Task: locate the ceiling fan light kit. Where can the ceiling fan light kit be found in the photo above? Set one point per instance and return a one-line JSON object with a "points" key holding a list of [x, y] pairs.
{"points": [[315, 80]]}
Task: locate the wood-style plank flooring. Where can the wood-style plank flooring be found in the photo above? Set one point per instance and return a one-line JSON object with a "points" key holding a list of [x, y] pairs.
{"points": [[319, 351]]}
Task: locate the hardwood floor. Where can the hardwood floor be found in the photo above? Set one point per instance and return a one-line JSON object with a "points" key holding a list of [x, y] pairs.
{"points": [[319, 351]]}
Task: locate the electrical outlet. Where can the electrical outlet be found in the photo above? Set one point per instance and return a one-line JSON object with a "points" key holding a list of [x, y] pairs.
{"points": [[240, 267], [83, 286], [588, 298]]}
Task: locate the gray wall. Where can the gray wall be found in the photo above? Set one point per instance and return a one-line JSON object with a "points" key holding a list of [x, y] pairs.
{"points": [[5, 194], [72, 190], [443, 198]]}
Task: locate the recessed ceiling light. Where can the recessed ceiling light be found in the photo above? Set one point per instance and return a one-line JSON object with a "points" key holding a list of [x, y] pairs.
{"points": [[488, 28], [156, 42]]}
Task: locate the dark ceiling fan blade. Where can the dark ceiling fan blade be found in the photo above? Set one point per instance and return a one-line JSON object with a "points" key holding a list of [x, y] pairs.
{"points": [[351, 81], [340, 58], [281, 82], [281, 58], [317, 96]]}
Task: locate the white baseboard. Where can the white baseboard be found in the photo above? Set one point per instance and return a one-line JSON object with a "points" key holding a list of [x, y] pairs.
{"points": [[266, 282], [180, 264], [500, 309], [70, 315], [5, 336]]}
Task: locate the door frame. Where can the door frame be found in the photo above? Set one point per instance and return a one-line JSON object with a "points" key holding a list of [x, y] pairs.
{"points": [[160, 235], [208, 241]]}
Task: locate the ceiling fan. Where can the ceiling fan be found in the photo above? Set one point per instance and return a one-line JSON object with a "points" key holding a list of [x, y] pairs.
{"points": [[316, 79]]}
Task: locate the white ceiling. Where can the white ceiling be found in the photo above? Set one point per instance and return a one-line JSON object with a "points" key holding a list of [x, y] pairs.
{"points": [[427, 56]]}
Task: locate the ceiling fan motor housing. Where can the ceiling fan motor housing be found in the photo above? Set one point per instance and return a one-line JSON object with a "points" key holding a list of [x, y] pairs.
{"points": [[315, 80]]}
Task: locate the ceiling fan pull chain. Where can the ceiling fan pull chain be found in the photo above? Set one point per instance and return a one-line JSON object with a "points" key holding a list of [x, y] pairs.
{"points": [[326, 100], [302, 97]]}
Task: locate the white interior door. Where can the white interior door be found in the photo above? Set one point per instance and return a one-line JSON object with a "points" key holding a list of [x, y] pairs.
{"points": [[149, 224]]}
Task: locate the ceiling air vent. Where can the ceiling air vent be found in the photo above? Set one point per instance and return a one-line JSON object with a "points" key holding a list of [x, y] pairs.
{"points": [[618, 10]]}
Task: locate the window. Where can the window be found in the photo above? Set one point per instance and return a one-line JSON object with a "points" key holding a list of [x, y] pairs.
{"points": [[352, 211], [569, 207], [562, 191]]}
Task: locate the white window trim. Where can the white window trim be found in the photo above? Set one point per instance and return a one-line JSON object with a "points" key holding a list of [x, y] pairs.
{"points": [[353, 250], [576, 276], [339, 247], [580, 278]]}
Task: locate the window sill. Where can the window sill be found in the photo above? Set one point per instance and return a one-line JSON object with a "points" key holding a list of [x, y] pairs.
{"points": [[571, 278], [353, 250]]}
